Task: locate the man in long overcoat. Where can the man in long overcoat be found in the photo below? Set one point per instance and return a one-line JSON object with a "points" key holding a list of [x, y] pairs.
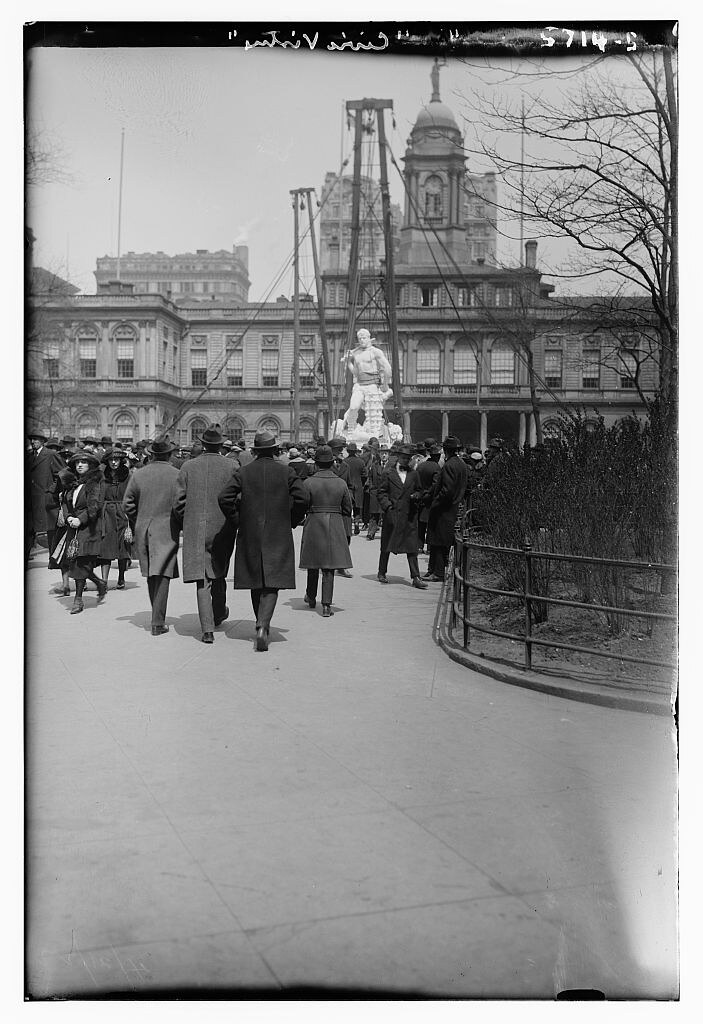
{"points": [[357, 474], [268, 499], [399, 495], [43, 465], [448, 492], [208, 537], [427, 471], [324, 546], [148, 505]]}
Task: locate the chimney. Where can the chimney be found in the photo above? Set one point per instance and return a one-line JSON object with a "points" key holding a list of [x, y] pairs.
{"points": [[531, 254]]}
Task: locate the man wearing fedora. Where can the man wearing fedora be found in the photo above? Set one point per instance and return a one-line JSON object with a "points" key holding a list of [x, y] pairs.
{"points": [[400, 496], [427, 471], [148, 505], [325, 546], [42, 468], [447, 493], [208, 537], [268, 499], [356, 472]]}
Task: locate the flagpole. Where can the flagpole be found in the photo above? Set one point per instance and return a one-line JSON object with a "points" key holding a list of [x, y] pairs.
{"points": [[119, 207]]}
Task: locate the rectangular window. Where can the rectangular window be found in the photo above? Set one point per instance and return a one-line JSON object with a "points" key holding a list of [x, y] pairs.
{"points": [[51, 360], [198, 367], [307, 369], [235, 369], [479, 250], [552, 369], [591, 369], [269, 368], [464, 365], [125, 359], [503, 297], [502, 366], [87, 351], [628, 369], [428, 365], [429, 296]]}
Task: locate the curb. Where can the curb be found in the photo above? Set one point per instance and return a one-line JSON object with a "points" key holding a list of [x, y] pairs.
{"points": [[572, 689]]}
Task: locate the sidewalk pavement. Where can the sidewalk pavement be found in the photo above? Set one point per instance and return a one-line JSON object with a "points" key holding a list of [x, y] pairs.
{"points": [[351, 810]]}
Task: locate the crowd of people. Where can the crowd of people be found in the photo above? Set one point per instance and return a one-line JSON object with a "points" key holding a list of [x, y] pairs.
{"points": [[92, 503]]}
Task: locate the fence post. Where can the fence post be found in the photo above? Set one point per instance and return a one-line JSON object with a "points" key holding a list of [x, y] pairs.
{"points": [[465, 589], [527, 550], [455, 585]]}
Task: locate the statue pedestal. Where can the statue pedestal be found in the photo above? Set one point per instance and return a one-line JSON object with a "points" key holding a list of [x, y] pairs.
{"points": [[360, 435]]}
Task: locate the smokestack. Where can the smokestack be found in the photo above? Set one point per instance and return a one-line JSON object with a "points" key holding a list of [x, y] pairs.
{"points": [[531, 254]]}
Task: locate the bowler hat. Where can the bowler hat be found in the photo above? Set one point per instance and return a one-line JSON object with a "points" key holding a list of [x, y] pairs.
{"points": [[54, 442], [36, 435], [264, 440], [351, 446], [106, 440], [337, 443], [212, 436], [324, 456], [451, 442], [434, 449], [68, 439], [84, 456], [90, 440], [161, 445], [406, 449]]}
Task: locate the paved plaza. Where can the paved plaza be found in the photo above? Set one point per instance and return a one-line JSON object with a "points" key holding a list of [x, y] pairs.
{"points": [[351, 810]]}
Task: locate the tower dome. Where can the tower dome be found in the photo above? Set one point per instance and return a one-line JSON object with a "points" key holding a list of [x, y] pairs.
{"points": [[435, 115]]}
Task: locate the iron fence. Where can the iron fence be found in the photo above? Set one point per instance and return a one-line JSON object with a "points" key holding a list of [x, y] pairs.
{"points": [[463, 586]]}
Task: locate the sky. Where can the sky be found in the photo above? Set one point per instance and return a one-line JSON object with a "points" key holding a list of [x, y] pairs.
{"points": [[214, 140]]}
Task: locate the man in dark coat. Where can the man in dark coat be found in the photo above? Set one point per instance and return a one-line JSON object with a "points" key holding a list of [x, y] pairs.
{"points": [[208, 537], [324, 546], [43, 465], [400, 495], [357, 472], [427, 471], [148, 505], [448, 492], [268, 499], [339, 466]]}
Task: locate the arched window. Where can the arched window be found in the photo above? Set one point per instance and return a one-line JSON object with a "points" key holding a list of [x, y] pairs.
{"points": [[434, 205], [307, 431], [196, 428], [124, 428], [465, 365], [234, 428], [86, 423], [270, 424], [502, 364], [427, 363]]}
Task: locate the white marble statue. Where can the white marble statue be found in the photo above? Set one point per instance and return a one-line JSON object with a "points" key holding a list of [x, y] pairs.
{"points": [[371, 373]]}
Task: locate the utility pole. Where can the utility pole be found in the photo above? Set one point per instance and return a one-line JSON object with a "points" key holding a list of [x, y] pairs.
{"points": [[321, 315], [295, 383], [119, 208], [358, 107]]}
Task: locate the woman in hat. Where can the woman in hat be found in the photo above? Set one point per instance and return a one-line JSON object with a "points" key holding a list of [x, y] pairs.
{"points": [[84, 513], [57, 509], [115, 524], [325, 547]]}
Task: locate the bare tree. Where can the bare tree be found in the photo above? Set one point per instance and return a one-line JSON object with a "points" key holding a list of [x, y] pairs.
{"points": [[599, 167]]}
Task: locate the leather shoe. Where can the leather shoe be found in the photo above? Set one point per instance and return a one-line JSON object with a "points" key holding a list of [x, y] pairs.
{"points": [[419, 584], [77, 607], [427, 575], [382, 578], [345, 572], [159, 630], [120, 585], [208, 638], [262, 638], [102, 592], [326, 611], [221, 618], [434, 579], [309, 601]]}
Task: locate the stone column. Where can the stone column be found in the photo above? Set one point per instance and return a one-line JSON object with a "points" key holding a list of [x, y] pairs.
{"points": [[445, 424], [103, 419], [484, 431], [141, 416], [523, 431], [533, 430], [151, 421], [104, 366], [406, 425]]}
